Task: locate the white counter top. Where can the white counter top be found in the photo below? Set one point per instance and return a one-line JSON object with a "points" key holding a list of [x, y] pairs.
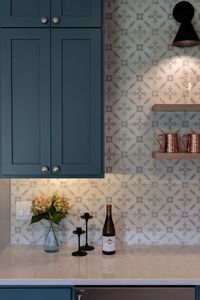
{"points": [[144, 265]]}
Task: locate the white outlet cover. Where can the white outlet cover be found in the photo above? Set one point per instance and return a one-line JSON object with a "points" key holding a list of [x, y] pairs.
{"points": [[23, 210]]}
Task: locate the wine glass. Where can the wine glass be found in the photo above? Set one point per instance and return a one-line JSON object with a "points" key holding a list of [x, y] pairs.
{"points": [[189, 80]]}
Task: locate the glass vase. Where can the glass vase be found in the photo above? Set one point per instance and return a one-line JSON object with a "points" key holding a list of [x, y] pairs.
{"points": [[51, 241]]}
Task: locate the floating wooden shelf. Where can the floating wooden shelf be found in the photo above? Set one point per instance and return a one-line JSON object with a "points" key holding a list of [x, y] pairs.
{"points": [[176, 107], [181, 155]]}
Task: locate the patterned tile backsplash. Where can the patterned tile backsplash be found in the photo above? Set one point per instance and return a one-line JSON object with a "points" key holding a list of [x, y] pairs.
{"points": [[154, 202]]}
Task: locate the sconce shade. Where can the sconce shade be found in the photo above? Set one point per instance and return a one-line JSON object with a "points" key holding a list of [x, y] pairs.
{"points": [[186, 36]]}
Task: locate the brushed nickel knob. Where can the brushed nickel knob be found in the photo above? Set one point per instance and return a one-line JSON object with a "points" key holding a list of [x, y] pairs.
{"points": [[44, 20], [44, 169], [56, 20], [56, 169]]}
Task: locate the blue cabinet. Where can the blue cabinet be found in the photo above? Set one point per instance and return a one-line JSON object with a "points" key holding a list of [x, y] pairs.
{"points": [[46, 13], [25, 101], [51, 106], [76, 94], [76, 13], [36, 293], [197, 292], [51, 98], [24, 13]]}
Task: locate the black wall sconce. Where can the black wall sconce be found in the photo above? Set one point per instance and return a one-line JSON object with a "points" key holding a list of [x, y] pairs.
{"points": [[186, 36]]}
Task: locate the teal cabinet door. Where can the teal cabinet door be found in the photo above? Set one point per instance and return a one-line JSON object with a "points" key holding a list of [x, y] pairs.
{"points": [[77, 108], [46, 13], [24, 13], [25, 102], [197, 292], [76, 13], [37, 293]]}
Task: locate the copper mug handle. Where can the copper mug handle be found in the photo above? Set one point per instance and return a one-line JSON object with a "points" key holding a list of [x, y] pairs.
{"points": [[183, 142], [159, 142]]}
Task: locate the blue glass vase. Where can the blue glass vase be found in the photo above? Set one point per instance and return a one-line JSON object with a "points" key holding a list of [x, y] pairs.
{"points": [[51, 241]]}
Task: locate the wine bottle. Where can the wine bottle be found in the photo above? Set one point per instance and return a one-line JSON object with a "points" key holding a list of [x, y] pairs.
{"points": [[108, 232]]}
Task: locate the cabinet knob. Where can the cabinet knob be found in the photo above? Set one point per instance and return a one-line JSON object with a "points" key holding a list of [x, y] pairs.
{"points": [[56, 169], [44, 169], [44, 20], [56, 20]]}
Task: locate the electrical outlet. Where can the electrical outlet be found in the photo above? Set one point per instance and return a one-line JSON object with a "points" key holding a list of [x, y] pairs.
{"points": [[23, 210]]}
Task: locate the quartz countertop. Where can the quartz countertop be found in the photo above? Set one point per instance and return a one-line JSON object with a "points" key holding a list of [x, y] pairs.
{"points": [[131, 265]]}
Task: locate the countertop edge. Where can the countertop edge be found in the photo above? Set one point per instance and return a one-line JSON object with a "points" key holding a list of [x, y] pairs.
{"points": [[103, 282]]}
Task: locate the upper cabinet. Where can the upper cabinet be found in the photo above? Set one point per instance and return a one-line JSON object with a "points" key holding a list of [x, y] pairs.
{"points": [[25, 101], [25, 13], [47, 13], [51, 90], [76, 97], [76, 13]]}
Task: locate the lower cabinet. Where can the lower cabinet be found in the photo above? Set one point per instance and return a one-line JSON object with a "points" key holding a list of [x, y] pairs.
{"points": [[99, 293], [36, 293], [198, 293]]}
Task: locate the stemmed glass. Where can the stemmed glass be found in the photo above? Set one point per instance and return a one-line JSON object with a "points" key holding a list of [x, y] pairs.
{"points": [[189, 80]]}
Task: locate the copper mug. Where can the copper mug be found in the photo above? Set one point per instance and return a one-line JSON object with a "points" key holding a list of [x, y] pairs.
{"points": [[192, 144], [168, 142]]}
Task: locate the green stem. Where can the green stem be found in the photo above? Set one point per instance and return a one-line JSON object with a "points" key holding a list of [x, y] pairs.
{"points": [[50, 216], [51, 227], [48, 231], [55, 236]]}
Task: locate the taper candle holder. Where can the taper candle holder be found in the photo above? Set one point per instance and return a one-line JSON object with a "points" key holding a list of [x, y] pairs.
{"points": [[79, 252], [86, 217]]}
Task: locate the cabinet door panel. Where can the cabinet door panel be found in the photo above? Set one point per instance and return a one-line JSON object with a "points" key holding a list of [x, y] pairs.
{"points": [[24, 13], [77, 13], [25, 99], [35, 293], [77, 102]]}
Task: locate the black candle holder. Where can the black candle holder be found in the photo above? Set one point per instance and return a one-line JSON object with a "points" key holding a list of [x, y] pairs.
{"points": [[86, 217], [79, 252]]}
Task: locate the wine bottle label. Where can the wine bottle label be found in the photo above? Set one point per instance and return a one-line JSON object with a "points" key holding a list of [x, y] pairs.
{"points": [[108, 243]]}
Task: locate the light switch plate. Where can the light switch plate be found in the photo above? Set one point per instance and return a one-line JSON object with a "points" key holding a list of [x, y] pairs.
{"points": [[23, 210]]}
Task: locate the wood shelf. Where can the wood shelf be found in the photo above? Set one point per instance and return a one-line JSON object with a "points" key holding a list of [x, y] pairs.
{"points": [[179, 156], [176, 107]]}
